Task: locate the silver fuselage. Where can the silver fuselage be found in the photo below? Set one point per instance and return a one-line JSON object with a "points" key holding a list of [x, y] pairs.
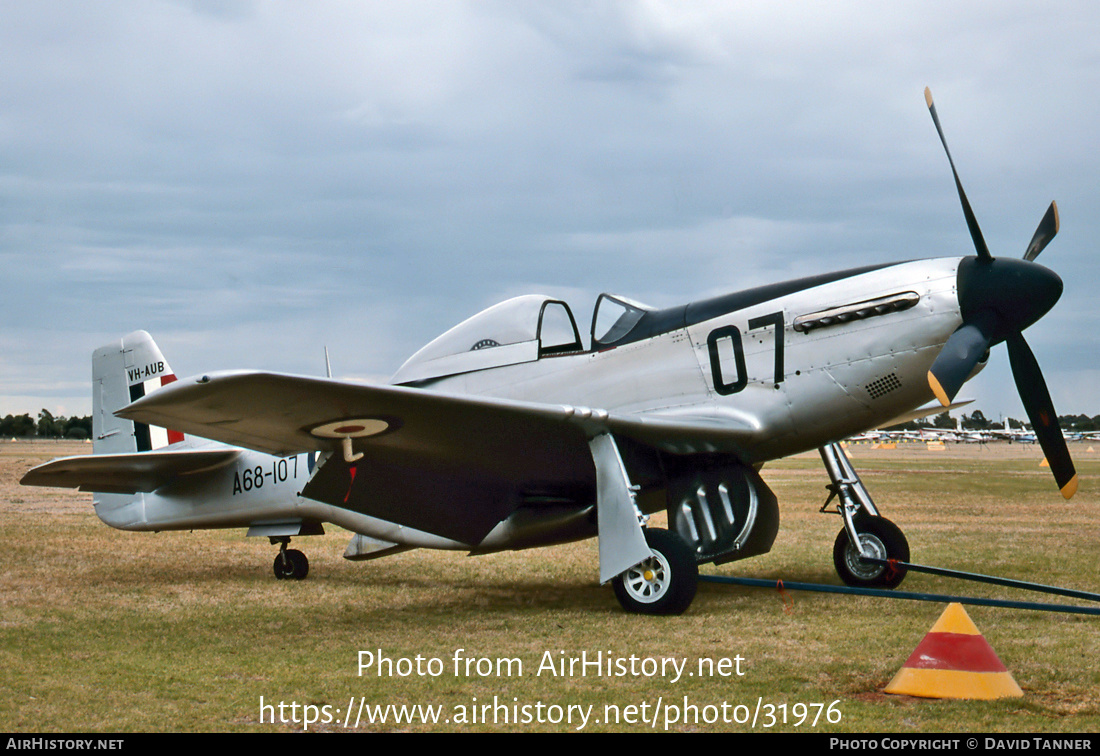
{"points": [[841, 374]]}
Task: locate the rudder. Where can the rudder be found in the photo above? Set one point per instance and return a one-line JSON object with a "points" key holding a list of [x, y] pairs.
{"points": [[123, 372]]}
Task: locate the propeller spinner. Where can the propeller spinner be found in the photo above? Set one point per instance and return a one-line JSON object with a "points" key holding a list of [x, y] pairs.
{"points": [[998, 299]]}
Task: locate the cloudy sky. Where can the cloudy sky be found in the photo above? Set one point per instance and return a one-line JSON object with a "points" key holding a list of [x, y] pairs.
{"points": [[252, 181]]}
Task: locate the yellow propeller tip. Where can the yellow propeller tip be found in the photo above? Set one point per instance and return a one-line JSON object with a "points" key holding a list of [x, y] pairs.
{"points": [[928, 96], [937, 389], [1069, 489]]}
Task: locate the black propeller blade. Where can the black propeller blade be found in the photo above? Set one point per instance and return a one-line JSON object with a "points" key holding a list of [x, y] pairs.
{"points": [[971, 221], [998, 299], [1048, 227], [1040, 411], [964, 349]]}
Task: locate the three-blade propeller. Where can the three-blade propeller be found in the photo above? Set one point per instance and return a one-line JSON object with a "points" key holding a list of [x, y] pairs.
{"points": [[998, 299]]}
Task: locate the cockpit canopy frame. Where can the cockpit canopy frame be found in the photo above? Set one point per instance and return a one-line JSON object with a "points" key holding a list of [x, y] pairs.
{"points": [[614, 318], [521, 329]]}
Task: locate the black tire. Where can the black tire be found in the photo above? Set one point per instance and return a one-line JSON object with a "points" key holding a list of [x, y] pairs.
{"points": [[885, 541], [663, 584], [294, 566]]}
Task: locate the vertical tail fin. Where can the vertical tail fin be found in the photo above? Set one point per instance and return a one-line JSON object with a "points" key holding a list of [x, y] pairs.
{"points": [[123, 372]]}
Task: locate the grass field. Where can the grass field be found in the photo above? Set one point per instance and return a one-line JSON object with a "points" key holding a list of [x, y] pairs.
{"points": [[102, 630]]}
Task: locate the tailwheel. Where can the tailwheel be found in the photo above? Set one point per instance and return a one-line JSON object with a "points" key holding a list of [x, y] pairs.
{"points": [[291, 564], [663, 584], [880, 539]]}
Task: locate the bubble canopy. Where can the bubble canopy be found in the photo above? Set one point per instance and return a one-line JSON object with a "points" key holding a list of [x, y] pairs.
{"points": [[517, 330]]}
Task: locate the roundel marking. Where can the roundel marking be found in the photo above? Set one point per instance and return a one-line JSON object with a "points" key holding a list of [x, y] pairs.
{"points": [[352, 428]]}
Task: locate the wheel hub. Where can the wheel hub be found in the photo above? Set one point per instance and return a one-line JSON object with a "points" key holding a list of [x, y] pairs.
{"points": [[874, 548], [648, 581]]}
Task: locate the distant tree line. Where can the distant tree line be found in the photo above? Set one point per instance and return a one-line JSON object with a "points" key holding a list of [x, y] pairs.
{"points": [[47, 426], [942, 421], [1079, 423]]}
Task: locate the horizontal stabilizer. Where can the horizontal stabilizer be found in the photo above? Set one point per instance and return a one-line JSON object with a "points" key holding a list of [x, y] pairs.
{"points": [[139, 472]]}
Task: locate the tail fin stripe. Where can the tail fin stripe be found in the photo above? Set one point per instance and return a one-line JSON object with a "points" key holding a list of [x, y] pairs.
{"points": [[174, 436], [142, 437]]}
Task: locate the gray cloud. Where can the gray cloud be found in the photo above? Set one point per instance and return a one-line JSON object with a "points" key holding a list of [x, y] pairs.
{"points": [[251, 181]]}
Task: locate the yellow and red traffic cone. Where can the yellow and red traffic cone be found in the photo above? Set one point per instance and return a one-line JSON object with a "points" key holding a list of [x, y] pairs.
{"points": [[954, 661]]}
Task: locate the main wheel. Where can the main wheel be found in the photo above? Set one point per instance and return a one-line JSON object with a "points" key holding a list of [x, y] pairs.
{"points": [[663, 584], [882, 539], [291, 565]]}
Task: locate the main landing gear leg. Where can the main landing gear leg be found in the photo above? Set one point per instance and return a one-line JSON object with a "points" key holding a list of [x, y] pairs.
{"points": [[652, 570], [290, 564], [876, 536]]}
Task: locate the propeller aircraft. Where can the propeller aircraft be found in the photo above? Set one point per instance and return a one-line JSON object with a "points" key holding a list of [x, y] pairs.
{"points": [[510, 431]]}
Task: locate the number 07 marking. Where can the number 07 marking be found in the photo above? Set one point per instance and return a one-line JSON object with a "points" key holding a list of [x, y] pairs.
{"points": [[732, 334], [773, 319]]}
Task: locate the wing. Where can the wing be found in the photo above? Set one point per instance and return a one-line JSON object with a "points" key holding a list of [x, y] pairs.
{"points": [[288, 414], [127, 473], [455, 465]]}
